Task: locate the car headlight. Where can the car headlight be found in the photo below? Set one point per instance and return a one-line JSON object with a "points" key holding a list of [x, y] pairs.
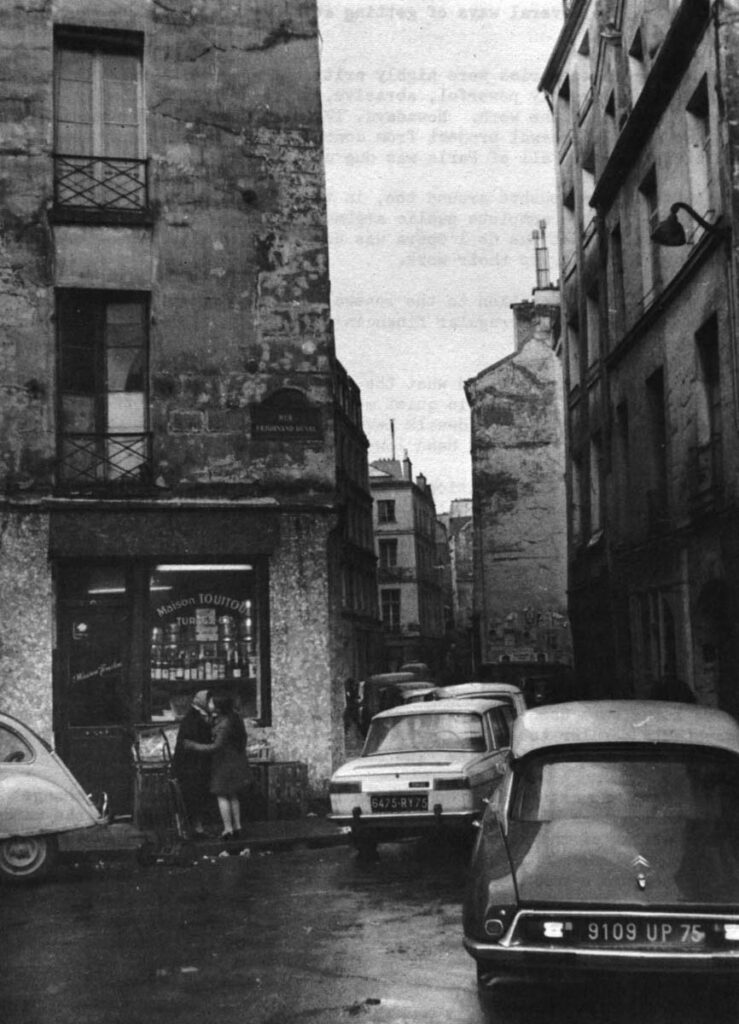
{"points": [[460, 783], [345, 787]]}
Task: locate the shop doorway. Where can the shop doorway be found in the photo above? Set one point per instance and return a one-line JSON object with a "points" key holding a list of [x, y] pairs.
{"points": [[94, 718]]}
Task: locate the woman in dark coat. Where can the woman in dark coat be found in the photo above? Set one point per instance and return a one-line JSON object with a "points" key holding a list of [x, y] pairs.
{"points": [[229, 767], [192, 767]]}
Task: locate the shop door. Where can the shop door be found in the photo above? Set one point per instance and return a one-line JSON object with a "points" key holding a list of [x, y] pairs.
{"points": [[93, 710]]}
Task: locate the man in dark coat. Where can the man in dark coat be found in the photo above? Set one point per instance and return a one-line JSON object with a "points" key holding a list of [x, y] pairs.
{"points": [[192, 767]]}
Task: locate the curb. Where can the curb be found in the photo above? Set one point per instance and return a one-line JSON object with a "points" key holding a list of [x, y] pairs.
{"points": [[149, 852]]}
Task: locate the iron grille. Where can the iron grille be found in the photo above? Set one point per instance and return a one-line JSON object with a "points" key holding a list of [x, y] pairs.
{"points": [[100, 183], [88, 459]]}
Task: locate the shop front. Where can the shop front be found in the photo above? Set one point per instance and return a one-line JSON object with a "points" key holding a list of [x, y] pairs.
{"points": [[137, 636]]}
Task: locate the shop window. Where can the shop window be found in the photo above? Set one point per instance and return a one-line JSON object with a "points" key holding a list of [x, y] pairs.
{"points": [[103, 387], [388, 550], [205, 633], [386, 511], [390, 609], [99, 163]]}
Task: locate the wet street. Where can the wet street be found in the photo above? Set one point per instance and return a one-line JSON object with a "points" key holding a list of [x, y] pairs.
{"points": [[311, 935]]}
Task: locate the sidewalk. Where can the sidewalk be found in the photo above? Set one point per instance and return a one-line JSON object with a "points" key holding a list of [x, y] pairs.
{"points": [[123, 841]]}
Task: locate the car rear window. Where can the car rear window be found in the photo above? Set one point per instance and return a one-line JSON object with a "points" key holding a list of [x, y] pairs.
{"points": [[446, 731], [686, 784]]}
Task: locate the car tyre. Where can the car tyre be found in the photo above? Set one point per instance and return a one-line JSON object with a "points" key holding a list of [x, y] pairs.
{"points": [[27, 858]]}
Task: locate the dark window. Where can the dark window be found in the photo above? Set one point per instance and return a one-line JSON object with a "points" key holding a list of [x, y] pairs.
{"points": [[388, 553], [103, 386], [390, 608], [657, 442], [386, 511]]}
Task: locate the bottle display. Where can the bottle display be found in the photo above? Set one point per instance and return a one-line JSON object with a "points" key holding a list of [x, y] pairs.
{"points": [[208, 649]]}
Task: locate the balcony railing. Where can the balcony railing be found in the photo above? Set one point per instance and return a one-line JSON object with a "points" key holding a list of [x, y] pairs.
{"points": [[94, 459], [104, 184]]}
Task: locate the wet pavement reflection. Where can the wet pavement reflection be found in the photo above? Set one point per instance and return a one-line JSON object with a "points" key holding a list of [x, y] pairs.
{"points": [[311, 935]]}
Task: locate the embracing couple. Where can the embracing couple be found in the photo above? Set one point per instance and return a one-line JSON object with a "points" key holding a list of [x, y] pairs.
{"points": [[210, 759]]}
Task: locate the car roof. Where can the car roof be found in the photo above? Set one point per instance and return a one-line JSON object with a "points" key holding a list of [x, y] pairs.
{"points": [[473, 686], [622, 721], [435, 707]]}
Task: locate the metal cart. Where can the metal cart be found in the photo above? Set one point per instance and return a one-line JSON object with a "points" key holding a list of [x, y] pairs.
{"points": [[158, 805]]}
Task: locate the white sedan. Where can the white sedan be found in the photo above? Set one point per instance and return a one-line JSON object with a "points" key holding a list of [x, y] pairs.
{"points": [[423, 766]]}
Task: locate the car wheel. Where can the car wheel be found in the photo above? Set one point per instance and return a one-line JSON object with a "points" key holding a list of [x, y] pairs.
{"points": [[23, 858]]}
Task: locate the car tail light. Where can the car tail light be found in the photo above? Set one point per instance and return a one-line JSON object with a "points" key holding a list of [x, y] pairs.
{"points": [[345, 787], [460, 783]]}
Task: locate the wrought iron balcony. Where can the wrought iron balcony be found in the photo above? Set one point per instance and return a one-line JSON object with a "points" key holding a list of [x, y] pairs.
{"points": [[87, 460], [101, 184]]}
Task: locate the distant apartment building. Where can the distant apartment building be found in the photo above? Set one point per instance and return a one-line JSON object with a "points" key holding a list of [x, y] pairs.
{"points": [[519, 519], [645, 100], [408, 576], [184, 469]]}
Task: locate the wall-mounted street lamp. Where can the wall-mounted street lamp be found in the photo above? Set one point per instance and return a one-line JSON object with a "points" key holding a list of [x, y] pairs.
{"points": [[671, 232]]}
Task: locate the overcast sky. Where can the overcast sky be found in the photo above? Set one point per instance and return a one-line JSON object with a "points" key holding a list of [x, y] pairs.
{"points": [[439, 165]]}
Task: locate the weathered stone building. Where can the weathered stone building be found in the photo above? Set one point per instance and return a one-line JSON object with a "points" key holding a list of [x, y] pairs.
{"points": [[409, 581], [184, 470], [645, 99], [518, 495]]}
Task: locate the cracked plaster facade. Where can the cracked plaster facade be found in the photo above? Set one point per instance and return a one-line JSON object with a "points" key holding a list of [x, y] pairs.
{"points": [[232, 255]]}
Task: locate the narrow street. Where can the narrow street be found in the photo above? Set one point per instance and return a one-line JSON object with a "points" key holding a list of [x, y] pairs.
{"points": [[306, 936]]}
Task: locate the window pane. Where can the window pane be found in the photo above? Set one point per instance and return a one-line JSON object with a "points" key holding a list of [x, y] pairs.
{"points": [[683, 786], [125, 369], [204, 635], [119, 67], [125, 413], [78, 371], [78, 414]]}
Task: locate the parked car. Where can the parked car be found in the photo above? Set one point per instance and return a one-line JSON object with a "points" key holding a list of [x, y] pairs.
{"points": [[388, 690], [423, 766], [612, 844], [505, 692], [39, 799]]}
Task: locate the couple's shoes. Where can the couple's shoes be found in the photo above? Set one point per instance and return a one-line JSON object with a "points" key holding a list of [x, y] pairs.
{"points": [[227, 836]]}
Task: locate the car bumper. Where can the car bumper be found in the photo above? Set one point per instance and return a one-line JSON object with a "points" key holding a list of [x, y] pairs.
{"points": [[409, 824], [562, 961]]}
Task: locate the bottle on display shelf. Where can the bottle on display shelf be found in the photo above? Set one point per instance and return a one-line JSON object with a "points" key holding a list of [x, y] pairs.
{"points": [[200, 664], [155, 661], [170, 662], [235, 662], [179, 668]]}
